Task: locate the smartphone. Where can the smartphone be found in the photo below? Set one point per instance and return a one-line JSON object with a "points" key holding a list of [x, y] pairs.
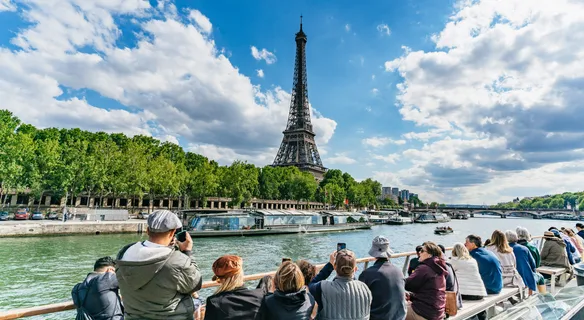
{"points": [[286, 259], [181, 234], [341, 246]]}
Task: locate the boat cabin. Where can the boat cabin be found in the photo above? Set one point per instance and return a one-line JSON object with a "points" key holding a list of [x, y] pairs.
{"points": [[342, 217]]}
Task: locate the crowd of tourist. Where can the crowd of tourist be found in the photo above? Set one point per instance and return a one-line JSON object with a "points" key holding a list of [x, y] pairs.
{"points": [[159, 279]]}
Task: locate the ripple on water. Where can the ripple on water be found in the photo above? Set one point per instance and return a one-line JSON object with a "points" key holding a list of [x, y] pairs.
{"points": [[37, 271]]}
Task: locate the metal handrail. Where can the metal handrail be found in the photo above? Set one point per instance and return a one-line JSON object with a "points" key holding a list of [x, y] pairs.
{"points": [[68, 305]]}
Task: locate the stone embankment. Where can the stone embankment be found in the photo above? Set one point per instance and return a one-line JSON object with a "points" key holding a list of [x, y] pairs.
{"points": [[59, 228]]}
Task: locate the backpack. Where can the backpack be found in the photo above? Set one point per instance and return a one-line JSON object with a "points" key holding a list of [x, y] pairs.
{"points": [[81, 312]]}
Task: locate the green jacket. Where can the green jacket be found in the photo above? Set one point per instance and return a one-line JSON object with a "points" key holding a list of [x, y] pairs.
{"points": [[159, 288], [533, 250]]}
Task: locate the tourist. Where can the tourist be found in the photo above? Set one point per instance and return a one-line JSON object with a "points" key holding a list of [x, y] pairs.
{"points": [[524, 240], [576, 240], [415, 261], [553, 253], [266, 284], [580, 228], [570, 248], [343, 297], [232, 300], [97, 296], [500, 247], [291, 300], [157, 280], [427, 286], [489, 265], [524, 260], [451, 278], [386, 283], [308, 270], [467, 273]]}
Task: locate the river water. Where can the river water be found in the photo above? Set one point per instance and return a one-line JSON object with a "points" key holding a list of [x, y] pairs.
{"points": [[38, 271]]}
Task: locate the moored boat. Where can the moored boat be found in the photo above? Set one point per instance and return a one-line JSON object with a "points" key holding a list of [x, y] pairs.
{"points": [[271, 222], [399, 220], [426, 218]]}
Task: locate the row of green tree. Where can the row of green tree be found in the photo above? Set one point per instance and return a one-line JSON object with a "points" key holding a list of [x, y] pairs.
{"points": [[557, 201], [70, 162]]}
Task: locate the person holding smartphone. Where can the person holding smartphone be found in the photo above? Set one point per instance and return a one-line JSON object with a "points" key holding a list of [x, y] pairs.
{"points": [[343, 297], [157, 277]]}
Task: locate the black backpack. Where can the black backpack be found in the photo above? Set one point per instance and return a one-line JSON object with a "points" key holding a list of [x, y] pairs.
{"points": [[79, 302]]}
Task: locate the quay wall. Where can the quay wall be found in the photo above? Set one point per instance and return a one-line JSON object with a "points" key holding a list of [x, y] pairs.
{"points": [[58, 228]]}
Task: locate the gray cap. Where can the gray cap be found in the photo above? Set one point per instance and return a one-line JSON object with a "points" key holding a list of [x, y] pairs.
{"points": [[380, 248], [163, 221]]}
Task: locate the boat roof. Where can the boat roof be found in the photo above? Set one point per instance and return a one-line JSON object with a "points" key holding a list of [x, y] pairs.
{"points": [[286, 213], [231, 214], [342, 213]]}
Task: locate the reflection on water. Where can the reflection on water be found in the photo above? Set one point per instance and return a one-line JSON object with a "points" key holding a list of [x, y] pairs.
{"points": [[38, 271]]}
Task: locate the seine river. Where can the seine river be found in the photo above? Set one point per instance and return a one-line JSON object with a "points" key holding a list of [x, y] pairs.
{"points": [[37, 271]]}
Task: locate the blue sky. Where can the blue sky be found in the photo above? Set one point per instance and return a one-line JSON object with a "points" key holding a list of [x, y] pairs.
{"points": [[460, 101]]}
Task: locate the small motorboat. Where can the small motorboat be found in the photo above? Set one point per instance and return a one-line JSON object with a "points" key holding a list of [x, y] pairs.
{"points": [[443, 230]]}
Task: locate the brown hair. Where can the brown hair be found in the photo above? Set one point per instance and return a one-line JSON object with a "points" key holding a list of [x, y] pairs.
{"points": [[345, 263], [288, 278], [308, 270], [499, 241], [569, 232], [432, 249]]}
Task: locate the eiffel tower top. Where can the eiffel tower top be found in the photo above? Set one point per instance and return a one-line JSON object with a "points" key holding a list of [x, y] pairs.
{"points": [[298, 147], [300, 33]]}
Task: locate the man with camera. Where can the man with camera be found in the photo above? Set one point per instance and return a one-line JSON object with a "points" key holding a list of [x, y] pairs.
{"points": [[158, 277]]}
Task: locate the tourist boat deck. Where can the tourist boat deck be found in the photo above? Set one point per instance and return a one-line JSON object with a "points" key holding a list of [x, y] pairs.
{"points": [[271, 222], [567, 303]]}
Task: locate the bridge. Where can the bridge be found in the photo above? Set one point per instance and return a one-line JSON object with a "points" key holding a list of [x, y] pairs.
{"points": [[504, 213]]}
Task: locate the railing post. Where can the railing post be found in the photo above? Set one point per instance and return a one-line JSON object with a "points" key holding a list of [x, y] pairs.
{"points": [[405, 267]]}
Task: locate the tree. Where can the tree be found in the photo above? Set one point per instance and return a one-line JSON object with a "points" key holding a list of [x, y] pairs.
{"points": [[303, 187], [556, 203], [335, 194]]}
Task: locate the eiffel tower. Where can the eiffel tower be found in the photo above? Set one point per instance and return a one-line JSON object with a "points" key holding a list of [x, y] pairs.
{"points": [[298, 147]]}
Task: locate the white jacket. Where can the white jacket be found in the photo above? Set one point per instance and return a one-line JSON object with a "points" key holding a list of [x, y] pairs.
{"points": [[469, 278], [511, 278]]}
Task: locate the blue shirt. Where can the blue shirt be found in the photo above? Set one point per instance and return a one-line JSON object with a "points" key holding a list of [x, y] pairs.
{"points": [[489, 269], [525, 264]]}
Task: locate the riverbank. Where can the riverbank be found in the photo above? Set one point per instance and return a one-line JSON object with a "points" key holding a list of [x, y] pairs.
{"points": [[32, 228]]}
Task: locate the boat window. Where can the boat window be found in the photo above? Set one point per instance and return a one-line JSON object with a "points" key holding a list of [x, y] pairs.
{"points": [[223, 223], [288, 220]]}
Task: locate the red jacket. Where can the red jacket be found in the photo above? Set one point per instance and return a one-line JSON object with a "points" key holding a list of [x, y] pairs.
{"points": [[427, 287]]}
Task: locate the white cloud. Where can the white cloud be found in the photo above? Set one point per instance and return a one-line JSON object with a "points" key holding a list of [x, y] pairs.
{"points": [[503, 91], [202, 21], [390, 158], [263, 55], [166, 90], [383, 29], [381, 141], [375, 91], [7, 5], [340, 158], [368, 109], [260, 73], [347, 27], [372, 77]]}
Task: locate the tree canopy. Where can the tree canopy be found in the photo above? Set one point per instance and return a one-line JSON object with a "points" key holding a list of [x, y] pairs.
{"points": [[71, 162], [557, 201]]}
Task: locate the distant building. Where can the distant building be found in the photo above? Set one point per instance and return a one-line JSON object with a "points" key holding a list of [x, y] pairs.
{"points": [[395, 192], [405, 194], [385, 192]]}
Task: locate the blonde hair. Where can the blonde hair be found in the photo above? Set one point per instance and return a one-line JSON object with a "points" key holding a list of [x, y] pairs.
{"points": [[460, 251], [230, 283], [499, 241], [289, 278]]}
